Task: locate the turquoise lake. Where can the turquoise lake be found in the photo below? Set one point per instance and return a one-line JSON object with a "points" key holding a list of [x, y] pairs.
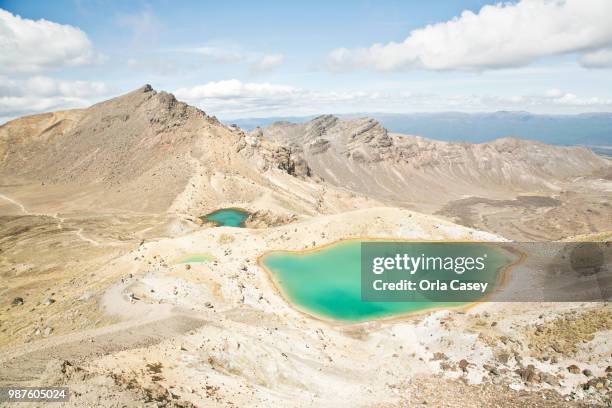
{"points": [[227, 217], [327, 282]]}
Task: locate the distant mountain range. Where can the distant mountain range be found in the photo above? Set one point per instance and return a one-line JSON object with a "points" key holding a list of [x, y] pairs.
{"points": [[588, 129]]}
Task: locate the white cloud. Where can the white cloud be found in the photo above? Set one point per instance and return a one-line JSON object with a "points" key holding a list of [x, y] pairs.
{"points": [[267, 63], [45, 86], [498, 36], [553, 93], [43, 94], [597, 59], [33, 46], [233, 88], [13, 107], [236, 98], [233, 98], [551, 100]]}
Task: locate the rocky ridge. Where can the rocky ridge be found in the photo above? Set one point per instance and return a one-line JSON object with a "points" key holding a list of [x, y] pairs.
{"points": [[363, 156]]}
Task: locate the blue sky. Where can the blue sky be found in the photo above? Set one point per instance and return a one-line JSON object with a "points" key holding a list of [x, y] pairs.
{"points": [[245, 59]]}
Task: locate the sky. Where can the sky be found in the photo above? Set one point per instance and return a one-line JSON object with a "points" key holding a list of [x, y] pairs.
{"points": [[238, 59]]}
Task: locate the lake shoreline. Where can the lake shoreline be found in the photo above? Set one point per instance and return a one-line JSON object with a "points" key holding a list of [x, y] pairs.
{"points": [[242, 214], [502, 280]]}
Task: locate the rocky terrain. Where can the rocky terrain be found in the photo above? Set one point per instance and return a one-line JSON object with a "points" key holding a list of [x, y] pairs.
{"points": [[521, 189], [147, 152], [99, 206]]}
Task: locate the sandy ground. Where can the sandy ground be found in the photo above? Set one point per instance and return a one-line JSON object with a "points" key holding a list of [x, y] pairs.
{"points": [[130, 326], [582, 207]]}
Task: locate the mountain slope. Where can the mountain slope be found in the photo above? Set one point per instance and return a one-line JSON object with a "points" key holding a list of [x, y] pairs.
{"points": [[521, 189], [128, 143], [361, 155], [146, 151]]}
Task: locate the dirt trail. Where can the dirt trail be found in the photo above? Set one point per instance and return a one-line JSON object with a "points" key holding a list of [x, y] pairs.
{"points": [[28, 363], [60, 221], [79, 234], [10, 200]]}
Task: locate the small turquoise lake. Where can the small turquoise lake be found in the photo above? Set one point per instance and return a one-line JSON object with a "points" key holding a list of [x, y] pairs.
{"points": [[227, 217], [327, 282]]}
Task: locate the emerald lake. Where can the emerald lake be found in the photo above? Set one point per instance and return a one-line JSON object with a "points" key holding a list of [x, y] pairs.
{"points": [[326, 282], [227, 217]]}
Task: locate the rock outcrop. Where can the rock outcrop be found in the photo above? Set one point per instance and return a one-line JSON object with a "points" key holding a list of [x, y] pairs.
{"points": [[361, 155]]}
